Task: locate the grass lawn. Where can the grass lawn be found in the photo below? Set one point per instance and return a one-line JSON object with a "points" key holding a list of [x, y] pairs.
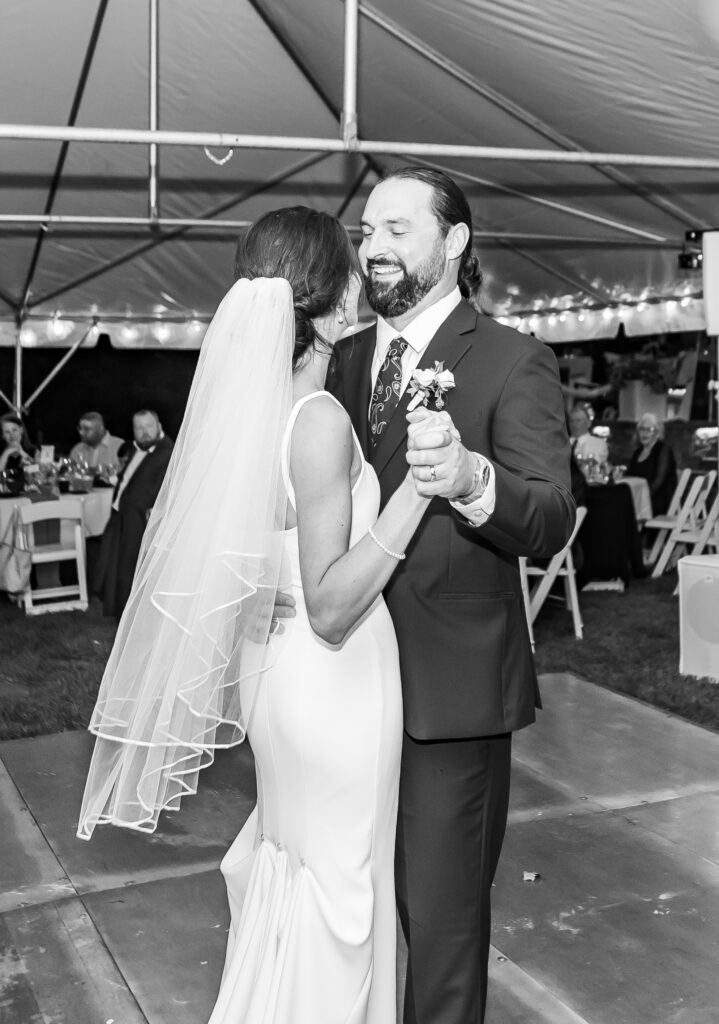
{"points": [[631, 645], [51, 665]]}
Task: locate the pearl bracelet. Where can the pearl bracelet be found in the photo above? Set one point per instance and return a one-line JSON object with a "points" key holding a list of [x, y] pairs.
{"points": [[378, 542]]}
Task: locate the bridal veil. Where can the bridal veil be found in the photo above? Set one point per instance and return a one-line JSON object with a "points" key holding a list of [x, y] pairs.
{"points": [[199, 615]]}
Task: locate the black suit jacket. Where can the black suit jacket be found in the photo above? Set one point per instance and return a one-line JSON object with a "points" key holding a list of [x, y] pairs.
{"points": [[456, 601], [122, 538]]}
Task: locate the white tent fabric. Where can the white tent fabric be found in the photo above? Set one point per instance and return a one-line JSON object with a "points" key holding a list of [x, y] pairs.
{"points": [[554, 238]]}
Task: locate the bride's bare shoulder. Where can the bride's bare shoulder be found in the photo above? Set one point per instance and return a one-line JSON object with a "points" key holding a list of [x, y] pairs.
{"points": [[322, 418]]}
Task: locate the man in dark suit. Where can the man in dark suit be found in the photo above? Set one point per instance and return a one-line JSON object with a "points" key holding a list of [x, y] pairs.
{"points": [[135, 493], [499, 452]]}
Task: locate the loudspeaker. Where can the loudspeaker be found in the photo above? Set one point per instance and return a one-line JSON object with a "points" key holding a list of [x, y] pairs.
{"points": [[710, 273], [699, 615]]}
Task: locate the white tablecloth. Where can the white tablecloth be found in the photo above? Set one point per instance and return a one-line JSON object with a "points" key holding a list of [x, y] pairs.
{"points": [[96, 508], [640, 496]]}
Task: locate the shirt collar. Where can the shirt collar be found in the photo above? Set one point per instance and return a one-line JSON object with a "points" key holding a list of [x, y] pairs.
{"points": [[420, 331]]}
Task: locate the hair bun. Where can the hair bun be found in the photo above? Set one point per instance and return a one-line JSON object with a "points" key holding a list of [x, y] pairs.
{"points": [[305, 334]]}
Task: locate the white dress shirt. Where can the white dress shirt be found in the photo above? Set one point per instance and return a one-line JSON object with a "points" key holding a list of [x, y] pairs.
{"points": [[418, 334], [139, 455]]}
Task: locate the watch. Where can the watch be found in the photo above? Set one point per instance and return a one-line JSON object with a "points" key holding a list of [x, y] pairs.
{"points": [[480, 479]]}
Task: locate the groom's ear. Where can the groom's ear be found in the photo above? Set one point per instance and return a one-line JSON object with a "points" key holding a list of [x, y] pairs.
{"points": [[456, 241]]}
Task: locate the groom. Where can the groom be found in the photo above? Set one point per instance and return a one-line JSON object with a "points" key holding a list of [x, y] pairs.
{"points": [[468, 675]]}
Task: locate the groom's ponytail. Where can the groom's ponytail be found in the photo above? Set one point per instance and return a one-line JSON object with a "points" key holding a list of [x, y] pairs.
{"points": [[450, 207]]}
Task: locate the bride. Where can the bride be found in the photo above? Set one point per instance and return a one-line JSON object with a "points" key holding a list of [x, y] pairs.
{"points": [[268, 489]]}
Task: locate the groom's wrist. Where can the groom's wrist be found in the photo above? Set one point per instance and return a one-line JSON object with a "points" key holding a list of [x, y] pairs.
{"points": [[480, 478]]}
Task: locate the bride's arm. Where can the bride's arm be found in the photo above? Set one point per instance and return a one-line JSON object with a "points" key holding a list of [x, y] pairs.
{"points": [[340, 583]]}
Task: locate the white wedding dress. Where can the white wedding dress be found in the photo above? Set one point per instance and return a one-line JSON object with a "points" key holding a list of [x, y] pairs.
{"points": [[310, 877]]}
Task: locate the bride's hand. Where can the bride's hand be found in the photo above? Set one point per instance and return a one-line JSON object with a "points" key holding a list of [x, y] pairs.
{"points": [[440, 464]]}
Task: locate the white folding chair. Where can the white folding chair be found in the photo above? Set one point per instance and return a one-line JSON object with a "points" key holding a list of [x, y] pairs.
{"points": [[525, 596], [67, 549], [667, 521], [561, 566], [690, 518]]}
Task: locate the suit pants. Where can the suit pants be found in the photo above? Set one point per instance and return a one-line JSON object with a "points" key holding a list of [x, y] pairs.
{"points": [[453, 805]]}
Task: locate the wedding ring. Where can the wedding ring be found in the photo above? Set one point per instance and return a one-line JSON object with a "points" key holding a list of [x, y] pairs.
{"points": [[432, 473]]}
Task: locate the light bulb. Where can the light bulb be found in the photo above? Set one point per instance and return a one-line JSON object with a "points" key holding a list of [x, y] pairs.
{"points": [[129, 332], [28, 337], [161, 332], [59, 329]]}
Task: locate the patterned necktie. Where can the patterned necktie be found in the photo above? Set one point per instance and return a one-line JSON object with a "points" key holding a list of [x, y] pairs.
{"points": [[387, 390]]}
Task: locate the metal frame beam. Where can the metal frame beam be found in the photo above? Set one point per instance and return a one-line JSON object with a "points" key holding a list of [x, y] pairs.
{"points": [[139, 250], [353, 190], [303, 144], [348, 122], [154, 61], [552, 204], [59, 365], [59, 166], [204, 224], [278, 34]]}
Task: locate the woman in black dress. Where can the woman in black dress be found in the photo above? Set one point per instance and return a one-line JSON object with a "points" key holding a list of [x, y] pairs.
{"points": [[16, 453], [653, 460]]}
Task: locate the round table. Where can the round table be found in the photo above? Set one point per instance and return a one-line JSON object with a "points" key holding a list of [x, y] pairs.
{"points": [[609, 536]]}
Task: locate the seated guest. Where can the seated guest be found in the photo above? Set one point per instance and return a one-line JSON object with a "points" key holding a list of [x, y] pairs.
{"points": [[97, 446], [135, 494], [17, 452], [653, 460], [585, 444]]}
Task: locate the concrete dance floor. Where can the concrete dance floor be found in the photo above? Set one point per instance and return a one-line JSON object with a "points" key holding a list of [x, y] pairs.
{"points": [[615, 806]]}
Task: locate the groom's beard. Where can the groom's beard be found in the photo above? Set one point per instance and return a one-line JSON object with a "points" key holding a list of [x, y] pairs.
{"points": [[390, 299]]}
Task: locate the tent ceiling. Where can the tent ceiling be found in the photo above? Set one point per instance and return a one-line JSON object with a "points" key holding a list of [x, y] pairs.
{"points": [[639, 78]]}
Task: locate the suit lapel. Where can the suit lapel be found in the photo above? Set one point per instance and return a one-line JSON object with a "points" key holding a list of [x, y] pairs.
{"points": [[448, 346], [357, 379]]}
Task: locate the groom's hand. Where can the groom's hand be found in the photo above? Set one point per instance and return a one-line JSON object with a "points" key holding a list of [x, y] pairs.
{"points": [[441, 465], [284, 608]]}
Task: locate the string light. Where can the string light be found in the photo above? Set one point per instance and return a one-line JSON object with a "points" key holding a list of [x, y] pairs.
{"points": [[161, 332], [28, 337], [59, 329], [129, 332]]}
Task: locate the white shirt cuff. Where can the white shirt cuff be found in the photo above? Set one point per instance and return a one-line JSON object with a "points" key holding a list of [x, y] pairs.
{"points": [[478, 511]]}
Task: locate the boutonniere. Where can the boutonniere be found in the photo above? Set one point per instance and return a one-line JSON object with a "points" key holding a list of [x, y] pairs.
{"points": [[426, 383]]}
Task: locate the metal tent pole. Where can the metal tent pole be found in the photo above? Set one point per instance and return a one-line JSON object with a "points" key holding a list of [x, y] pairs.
{"points": [[17, 376], [228, 140], [153, 205], [56, 369], [349, 108]]}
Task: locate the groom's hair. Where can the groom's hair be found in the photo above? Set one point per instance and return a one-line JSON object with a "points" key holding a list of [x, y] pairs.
{"points": [[450, 207]]}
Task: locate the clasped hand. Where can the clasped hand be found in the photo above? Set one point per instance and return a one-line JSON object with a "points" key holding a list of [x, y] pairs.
{"points": [[440, 464]]}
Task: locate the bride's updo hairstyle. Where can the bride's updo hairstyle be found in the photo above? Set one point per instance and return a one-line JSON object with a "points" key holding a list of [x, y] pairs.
{"points": [[312, 251]]}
